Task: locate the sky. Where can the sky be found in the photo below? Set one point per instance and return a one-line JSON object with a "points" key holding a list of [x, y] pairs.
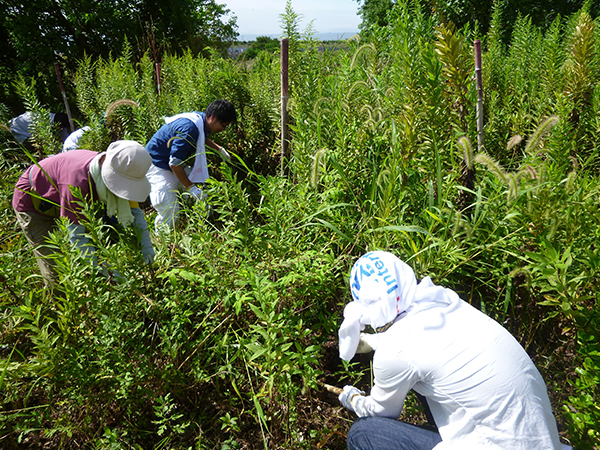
{"points": [[262, 17]]}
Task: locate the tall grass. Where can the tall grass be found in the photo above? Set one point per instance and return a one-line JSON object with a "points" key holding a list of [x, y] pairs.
{"points": [[222, 342]]}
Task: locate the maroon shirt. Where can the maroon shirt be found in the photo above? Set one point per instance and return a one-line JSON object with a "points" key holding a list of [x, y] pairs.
{"points": [[65, 170]]}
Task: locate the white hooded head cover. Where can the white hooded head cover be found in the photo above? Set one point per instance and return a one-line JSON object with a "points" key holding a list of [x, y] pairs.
{"points": [[383, 287]]}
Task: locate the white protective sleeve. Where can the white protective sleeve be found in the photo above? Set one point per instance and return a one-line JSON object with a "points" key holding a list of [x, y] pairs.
{"points": [[78, 237], [387, 396], [139, 222]]}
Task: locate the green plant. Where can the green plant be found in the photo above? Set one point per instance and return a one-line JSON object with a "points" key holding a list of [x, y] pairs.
{"points": [[44, 131], [582, 409], [167, 418], [222, 343]]}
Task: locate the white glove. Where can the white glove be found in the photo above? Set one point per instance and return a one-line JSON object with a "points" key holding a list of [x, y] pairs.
{"points": [[197, 192], [346, 397], [223, 152]]}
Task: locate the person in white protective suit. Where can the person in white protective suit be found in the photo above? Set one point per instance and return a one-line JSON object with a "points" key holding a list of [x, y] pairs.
{"points": [[483, 390]]}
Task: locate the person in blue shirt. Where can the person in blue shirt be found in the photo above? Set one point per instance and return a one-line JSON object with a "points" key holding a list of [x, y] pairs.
{"points": [[179, 159]]}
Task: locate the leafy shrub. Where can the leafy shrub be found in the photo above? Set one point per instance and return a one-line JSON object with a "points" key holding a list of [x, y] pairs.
{"points": [[224, 341]]}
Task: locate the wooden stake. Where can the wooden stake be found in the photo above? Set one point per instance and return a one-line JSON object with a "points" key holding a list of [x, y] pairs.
{"points": [[158, 79], [333, 389], [64, 96], [284, 102], [479, 95]]}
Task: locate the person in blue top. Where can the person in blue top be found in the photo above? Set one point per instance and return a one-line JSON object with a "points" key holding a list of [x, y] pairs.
{"points": [[179, 159], [22, 126]]}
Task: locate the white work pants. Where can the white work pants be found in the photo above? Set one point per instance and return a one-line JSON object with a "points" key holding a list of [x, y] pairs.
{"points": [[164, 193]]}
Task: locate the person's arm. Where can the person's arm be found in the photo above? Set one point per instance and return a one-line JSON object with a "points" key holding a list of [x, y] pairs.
{"points": [[182, 150], [179, 172], [181, 175], [393, 379], [139, 222], [381, 402], [218, 148], [82, 242]]}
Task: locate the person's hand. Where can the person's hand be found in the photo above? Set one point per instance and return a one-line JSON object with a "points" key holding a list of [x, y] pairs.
{"points": [[197, 192], [148, 253], [225, 154], [349, 394]]}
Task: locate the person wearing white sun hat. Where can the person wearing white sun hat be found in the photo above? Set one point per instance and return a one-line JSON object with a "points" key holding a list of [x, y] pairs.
{"points": [[483, 390], [45, 192]]}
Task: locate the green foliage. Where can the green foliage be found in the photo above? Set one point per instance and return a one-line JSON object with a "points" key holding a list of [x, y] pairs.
{"points": [[582, 410], [289, 23], [44, 137], [457, 69], [261, 44], [222, 343], [38, 34], [375, 13], [119, 100]]}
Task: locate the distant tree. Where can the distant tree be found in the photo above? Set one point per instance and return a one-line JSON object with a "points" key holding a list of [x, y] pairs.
{"points": [[189, 24], [461, 12], [541, 12], [262, 43], [374, 12], [7, 58], [37, 33]]}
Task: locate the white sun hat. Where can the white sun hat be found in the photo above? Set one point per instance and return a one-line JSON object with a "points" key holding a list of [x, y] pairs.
{"points": [[124, 170]]}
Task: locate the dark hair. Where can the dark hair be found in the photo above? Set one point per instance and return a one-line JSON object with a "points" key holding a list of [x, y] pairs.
{"points": [[61, 119], [223, 111]]}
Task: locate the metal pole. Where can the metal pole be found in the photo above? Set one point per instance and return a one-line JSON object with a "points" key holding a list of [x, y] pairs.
{"points": [[479, 95], [64, 96], [284, 103], [158, 79]]}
